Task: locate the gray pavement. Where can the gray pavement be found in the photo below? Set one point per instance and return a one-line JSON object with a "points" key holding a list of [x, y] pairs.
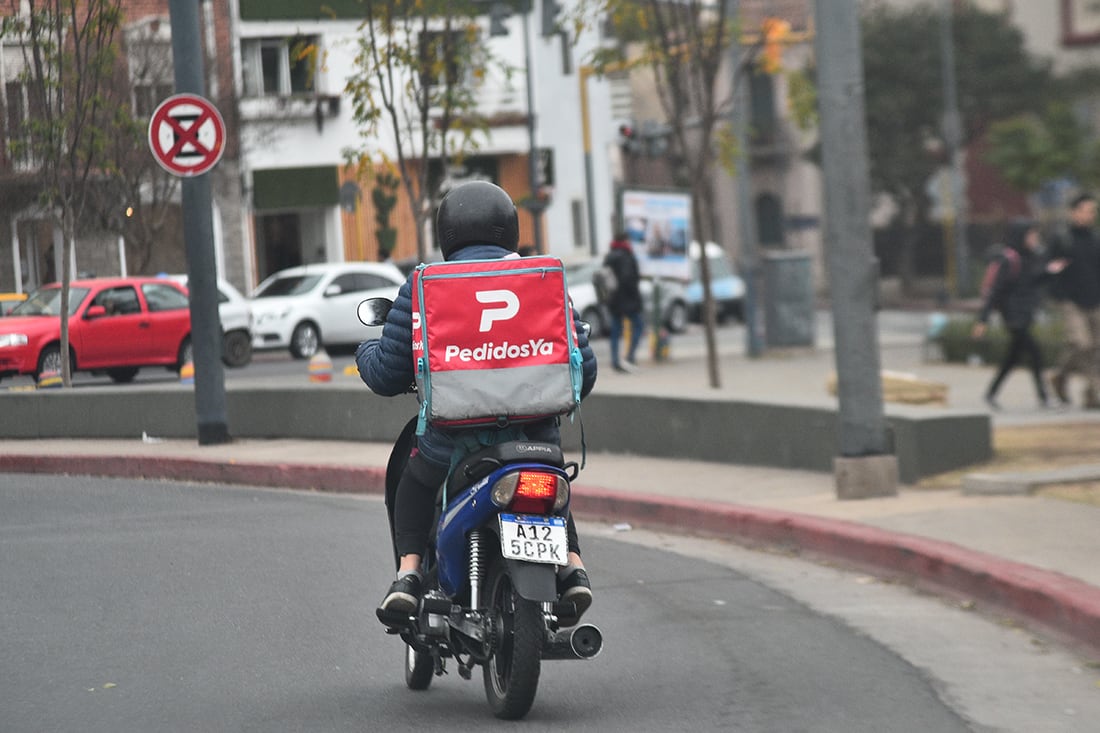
{"points": [[1039, 553]]}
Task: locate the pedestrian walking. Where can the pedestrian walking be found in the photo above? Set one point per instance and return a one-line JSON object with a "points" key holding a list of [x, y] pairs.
{"points": [[1012, 287], [624, 301], [1077, 288]]}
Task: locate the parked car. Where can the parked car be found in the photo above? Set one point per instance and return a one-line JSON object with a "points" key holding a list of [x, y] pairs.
{"points": [[116, 326], [8, 301], [235, 314], [674, 307], [726, 288], [307, 307]]}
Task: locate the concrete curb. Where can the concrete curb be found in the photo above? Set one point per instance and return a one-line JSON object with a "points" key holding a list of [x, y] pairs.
{"points": [[1065, 607]]}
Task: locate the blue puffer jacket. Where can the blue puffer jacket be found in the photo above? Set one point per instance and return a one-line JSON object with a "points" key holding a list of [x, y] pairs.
{"points": [[386, 364]]}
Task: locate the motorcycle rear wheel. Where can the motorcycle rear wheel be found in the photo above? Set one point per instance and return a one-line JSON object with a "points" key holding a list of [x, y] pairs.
{"points": [[512, 673], [419, 668]]}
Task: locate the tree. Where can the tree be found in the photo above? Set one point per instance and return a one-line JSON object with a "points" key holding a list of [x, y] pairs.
{"points": [[687, 47], [136, 196], [904, 96], [1055, 143], [69, 56], [417, 73]]}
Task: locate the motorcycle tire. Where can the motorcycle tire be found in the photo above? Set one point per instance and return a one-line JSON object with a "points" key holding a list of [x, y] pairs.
{"points": [[419, 668], [512, 673]]}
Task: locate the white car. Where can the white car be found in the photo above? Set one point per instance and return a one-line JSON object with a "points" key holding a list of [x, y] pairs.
{"points": [[311, 306], [583, 294], [235, 315]]}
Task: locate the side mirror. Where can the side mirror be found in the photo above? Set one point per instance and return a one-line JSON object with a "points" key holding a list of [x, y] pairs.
{"points": [[95, 311], [373, 311], [332, 290]]}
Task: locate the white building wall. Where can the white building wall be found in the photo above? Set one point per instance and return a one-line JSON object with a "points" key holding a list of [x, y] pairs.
{"points": [[288, 137]]}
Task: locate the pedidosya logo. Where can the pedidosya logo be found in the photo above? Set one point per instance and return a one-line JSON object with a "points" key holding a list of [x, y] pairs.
{"points": [[499, 352], [501, 306]]}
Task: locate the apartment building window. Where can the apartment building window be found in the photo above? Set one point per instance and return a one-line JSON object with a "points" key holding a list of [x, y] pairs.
{"points": [[277, 67], [441, 53], [149, 55], [15, 117]]}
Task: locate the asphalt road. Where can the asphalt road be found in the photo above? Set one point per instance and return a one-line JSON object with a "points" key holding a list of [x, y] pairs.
{"points": [[132, 606]]}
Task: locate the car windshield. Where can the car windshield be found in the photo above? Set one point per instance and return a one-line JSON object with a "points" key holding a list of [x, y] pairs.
{"points": [[289, 285], [47, 302]]}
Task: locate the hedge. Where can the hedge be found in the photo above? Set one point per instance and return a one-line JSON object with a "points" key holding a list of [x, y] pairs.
{"points": [[957, 345]]}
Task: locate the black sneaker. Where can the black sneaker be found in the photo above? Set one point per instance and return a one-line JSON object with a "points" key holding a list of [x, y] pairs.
{"points": [[403, 598], [575, 589]]}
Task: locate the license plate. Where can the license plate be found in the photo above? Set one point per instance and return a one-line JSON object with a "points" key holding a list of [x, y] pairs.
{"points": [[533, 539]]}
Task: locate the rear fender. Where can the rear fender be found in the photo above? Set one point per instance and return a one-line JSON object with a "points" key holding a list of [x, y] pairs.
{"points": [[534, 581]]}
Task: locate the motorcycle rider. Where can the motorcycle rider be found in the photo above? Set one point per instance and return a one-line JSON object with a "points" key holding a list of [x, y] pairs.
{"points": [[476, 221]]}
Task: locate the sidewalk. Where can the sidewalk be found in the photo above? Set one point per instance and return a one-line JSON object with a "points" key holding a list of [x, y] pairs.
{"points": [[1032, 557]]}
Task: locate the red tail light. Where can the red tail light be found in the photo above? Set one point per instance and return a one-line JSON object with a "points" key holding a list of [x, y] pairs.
{"points": [[536, 493], [531, 492]]}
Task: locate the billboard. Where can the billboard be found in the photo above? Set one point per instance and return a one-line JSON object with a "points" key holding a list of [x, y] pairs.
{"points": [[658, 225]]}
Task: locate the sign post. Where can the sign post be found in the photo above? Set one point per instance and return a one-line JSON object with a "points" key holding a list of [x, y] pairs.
{"points": [[187, 137]]}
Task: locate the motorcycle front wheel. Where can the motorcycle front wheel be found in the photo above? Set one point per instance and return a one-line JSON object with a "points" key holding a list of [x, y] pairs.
{"points": [[512, 673]]}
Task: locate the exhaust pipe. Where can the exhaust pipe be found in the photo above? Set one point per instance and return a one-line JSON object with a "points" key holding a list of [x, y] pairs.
{"points": [[582, 642]]}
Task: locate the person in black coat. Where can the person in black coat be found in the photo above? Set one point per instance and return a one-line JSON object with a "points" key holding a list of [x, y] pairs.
{"points": [[625, 303], [1016, 293], [1077, 289]]}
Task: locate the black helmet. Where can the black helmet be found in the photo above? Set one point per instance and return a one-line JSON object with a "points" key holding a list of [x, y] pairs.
{"points": [[477, 212]]}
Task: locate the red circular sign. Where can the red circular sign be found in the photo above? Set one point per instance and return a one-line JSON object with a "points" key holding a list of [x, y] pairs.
{"points": [[187, 135]]}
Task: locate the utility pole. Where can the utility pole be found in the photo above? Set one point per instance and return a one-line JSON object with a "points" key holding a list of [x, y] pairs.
{"points": [[198, 234], [952, 135], [866, 466], [746, 215], [535, 205]]}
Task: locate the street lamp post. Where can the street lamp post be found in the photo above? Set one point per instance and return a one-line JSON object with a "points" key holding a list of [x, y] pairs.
{"points": [[535, 204]]}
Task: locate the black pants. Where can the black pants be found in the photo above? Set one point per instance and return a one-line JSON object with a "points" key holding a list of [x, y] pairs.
{"points": [[1021, 345], [414, 507]]}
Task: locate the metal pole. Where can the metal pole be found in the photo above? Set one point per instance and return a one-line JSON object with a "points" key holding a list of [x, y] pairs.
{"points": [[589, 186], [852, 271], [532, 152], [746, 218], [952, 133], [198, 234]]}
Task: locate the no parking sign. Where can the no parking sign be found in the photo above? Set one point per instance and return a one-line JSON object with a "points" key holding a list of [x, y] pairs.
{"points": [[187, 135]]}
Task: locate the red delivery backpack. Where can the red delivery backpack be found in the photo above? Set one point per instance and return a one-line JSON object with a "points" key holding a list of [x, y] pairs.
{"points": [[493, 342]]}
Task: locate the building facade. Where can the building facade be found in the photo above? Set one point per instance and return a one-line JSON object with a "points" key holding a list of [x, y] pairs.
{"points": [[283, 191]]}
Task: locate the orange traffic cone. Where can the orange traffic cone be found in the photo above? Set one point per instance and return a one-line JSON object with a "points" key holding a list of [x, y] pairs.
{"points": [[49, 379], [320, 367]]}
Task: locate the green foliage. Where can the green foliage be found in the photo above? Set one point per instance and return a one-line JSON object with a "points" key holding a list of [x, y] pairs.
{"points": [[802, 98], [958, 346], [384, 197], [1030, 149]]}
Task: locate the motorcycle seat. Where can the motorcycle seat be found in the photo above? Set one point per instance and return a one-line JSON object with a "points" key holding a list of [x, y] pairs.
{"points": [[480, 464]]}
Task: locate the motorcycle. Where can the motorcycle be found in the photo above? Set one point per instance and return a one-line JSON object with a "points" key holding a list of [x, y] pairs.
{"points": [[490, 574]]}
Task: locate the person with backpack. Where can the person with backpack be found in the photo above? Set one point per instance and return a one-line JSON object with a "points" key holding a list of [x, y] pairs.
{"points": [[1077, 288], [624, 301], [475, 221], [1013, 287]]}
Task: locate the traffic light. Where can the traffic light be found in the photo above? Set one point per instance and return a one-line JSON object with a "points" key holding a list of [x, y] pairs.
{"points": [[628, 138], [775, 33], [550, 10]]}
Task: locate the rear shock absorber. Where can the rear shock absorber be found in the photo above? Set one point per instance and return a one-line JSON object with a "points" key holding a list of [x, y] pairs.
{"points": [[477, 567]]}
